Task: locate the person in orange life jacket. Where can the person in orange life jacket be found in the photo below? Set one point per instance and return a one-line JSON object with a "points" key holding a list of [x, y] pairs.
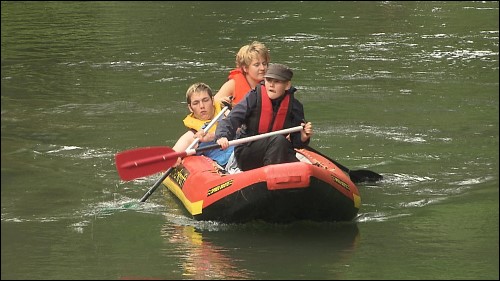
{"points": [[251, 65], [271, 106], [203, 109]]}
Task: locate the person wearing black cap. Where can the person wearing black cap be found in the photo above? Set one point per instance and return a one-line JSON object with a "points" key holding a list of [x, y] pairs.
{"points": [[271, 106]]}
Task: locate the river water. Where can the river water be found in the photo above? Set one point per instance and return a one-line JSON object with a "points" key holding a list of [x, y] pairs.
{"points": [[409, 90]]}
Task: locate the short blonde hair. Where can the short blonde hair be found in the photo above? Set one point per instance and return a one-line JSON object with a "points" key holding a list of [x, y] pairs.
{"points": [[197, 87], [251, 51]]}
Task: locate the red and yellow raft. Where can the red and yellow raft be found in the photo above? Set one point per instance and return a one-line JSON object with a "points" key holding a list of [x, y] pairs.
{"points": [[313, 189]]}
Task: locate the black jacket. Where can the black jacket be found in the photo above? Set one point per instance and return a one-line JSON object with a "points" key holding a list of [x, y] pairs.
{"points": [[242, 112]]}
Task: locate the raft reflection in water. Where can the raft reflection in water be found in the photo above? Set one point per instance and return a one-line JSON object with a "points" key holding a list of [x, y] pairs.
{"points": [[264, 251]]}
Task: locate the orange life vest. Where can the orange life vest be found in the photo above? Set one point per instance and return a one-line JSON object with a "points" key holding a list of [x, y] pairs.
{"points": [[241, 87]]}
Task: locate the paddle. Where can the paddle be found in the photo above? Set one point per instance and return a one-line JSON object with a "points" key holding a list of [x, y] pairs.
{"points": [[356, 176], [167, 173], [145, 161]]}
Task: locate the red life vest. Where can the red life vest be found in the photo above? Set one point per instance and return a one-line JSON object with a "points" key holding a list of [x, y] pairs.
{"points": [[267, 116]]}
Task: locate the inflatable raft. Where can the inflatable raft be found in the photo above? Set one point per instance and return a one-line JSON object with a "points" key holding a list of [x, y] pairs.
{"points": [[313, 189]]}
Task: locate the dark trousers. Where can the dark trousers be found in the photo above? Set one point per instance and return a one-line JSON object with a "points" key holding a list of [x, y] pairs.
{"points": [[273, 150]]}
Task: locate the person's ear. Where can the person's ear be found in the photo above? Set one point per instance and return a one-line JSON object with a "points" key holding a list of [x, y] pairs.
{"points": [[190, 109]]}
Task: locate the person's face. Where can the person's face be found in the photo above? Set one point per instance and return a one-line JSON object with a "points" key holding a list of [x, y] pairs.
{"points": [[202, 106], [256, 69], [276, 88]]}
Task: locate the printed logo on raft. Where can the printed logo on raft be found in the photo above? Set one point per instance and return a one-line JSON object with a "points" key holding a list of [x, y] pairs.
{"points": [[339, 181], [219, 187], [179, 176]]}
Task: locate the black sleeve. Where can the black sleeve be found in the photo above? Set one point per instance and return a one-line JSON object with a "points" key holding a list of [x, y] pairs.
{"points": [[228, 125], [297, 118]]}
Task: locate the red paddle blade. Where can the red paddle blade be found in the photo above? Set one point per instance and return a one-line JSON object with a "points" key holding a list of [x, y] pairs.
{"points": [[145, 161]]}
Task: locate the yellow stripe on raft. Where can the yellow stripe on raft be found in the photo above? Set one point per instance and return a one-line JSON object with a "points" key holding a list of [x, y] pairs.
{"points": [[357, 200], [194, 208]]}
